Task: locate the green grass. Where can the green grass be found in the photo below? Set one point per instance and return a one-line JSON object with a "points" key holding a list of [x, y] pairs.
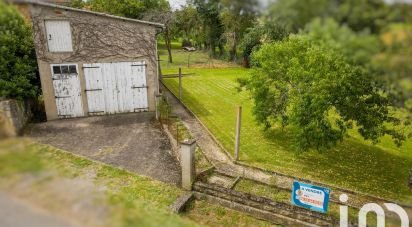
{"points": [[181, 58], [131, 200], [212, 215], [285, 197], [134, 200], [382, 170]]}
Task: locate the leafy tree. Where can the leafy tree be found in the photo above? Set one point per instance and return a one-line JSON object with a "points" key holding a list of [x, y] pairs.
{"points": [[318, 93], [77, 4], [359, 15], [395, 60], [360, 47], [237, 17], [188, 25], [258, 35], [295, 14], [213, 28], [166, 17], [126, 8], [364, 14], [18, 67]]}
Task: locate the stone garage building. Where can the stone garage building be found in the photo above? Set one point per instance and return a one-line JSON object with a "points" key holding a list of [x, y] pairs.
{"points": [[93, 63]]}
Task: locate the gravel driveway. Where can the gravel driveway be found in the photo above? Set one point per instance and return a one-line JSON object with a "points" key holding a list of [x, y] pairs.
{"points": [[131, 141]]}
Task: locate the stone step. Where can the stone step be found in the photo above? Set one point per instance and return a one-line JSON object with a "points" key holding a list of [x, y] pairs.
{"points": [[180, 203], [260, 207]]}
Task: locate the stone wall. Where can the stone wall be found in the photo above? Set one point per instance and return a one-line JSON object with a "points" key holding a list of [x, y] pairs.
{"points": [[14, 116], [96, 39]]}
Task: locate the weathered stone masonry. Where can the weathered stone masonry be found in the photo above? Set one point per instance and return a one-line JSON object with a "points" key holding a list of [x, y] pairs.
{"points": [[96, 38]]}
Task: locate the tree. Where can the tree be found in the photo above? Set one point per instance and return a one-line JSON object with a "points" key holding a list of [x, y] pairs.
{"points": [[166, 17], [360, 48], [364, 14], [126, 8], [395, 61], [188, 25], [318, 93], [237, 17], [295, 14], [18, 67], [209, 13], [258, 35]]}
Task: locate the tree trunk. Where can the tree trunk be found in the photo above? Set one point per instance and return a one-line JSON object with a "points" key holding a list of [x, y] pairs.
{"points": [[168, 42], [221, 49]]}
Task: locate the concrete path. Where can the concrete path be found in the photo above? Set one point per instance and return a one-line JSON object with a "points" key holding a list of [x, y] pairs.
{"points": [[16, 213], [131, 141]]}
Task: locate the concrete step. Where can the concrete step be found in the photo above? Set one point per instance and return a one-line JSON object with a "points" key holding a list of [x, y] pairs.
{"points": [[260, 207]]}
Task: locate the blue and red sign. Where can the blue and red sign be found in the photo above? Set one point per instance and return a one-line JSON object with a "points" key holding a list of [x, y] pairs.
{"points": [[310, 197]]}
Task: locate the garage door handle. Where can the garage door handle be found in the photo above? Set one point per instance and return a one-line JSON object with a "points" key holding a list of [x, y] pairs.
{"points": [[140, 87]]}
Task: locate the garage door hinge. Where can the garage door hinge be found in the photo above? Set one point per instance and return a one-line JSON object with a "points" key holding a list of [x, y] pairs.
{"points": [[145, 65], [91, 67], [140, 87], [93, 90]]}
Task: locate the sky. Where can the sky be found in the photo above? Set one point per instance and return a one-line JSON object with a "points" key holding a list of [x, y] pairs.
{"points": [[177, 3]]}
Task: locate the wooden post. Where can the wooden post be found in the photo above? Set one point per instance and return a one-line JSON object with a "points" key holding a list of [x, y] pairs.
{"points": [[238, 126], [180, 84], [188, 60]]}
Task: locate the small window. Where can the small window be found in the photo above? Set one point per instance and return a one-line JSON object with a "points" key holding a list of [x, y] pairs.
{"points": [[72, 69], [65, 69], [56, 70]]}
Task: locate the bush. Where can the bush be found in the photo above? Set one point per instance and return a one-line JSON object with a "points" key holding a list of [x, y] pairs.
{"points": [[18, 67]]}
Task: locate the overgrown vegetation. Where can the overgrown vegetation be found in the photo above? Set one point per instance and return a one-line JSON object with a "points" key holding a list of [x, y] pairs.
{"points": [[18, 66]]}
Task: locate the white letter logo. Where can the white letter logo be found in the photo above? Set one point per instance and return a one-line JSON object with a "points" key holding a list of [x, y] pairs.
{"points": [[372, 207]]}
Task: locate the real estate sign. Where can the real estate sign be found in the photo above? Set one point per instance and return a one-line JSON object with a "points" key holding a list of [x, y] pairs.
{"points": [[310, 197]]}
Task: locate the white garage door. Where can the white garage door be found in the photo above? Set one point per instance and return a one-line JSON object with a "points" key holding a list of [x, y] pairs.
{"points": [[116, 87], [67, 92]]}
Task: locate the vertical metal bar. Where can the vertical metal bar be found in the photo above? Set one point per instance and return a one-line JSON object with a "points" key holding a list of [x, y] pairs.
{"points": [[180, 84], [238, 126]]}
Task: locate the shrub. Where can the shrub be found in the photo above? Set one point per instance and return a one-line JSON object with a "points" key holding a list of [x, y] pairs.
{"points": [[18, 67]]}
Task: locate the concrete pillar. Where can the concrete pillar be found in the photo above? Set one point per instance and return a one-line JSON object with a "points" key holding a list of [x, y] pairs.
{"points": [[187, 161]]}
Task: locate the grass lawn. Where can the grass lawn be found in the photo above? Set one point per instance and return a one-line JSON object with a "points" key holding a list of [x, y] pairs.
{"points": [[181, 58], [95, 194], [382, 170]]}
